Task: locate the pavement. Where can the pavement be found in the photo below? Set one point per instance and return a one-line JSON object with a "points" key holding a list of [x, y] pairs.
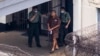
{"points": [[17, 38]]}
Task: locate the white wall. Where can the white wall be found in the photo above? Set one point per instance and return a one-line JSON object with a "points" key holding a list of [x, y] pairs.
{"points": [[89, 14], [84, 14]]}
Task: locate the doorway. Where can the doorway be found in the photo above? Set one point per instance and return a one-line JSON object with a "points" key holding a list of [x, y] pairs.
{"points": [[69, 8], [19, 20]]}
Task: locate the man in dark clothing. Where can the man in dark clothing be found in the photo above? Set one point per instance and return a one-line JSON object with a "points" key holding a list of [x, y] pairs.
{"points": [[34, 18], [65, 21]]}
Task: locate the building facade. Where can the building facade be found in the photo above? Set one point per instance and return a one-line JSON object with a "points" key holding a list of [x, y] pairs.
{"points": [[83, 12], [86, 13]]}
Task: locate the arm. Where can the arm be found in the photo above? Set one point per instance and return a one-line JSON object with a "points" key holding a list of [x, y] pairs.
{"points": [[48, 26], [57, 25], [33, 17], [68, 20]]}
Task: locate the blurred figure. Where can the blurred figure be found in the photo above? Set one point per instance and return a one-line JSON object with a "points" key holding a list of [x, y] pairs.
{"points": [[53, 28], [65, 21], [34, 18]]}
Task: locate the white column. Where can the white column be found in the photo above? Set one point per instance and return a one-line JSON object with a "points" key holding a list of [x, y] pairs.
{"points": [[6, 19], [29, 10], [76, 15], [3, 19]]}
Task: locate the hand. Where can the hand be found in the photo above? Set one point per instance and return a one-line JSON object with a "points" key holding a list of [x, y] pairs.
{"points": [[49, 29], [66, 26]]}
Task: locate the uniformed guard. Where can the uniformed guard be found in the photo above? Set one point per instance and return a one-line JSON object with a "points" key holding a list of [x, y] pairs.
{"points": [[34, 18], [65, 21]]}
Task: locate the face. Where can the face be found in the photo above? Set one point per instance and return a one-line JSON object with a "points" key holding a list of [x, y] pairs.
{"points": [[35, 10], [53, 13], [62, 10]]}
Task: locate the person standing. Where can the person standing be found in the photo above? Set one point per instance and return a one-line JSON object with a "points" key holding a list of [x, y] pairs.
{"points": [[65, 21], [34, 18], [53, 28]]}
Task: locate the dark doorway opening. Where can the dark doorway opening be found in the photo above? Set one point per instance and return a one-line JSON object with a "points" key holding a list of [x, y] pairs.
{"points": [[69, 8], [19, 21], [45, 7]]}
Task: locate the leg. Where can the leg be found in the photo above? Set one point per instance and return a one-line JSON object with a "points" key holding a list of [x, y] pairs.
{"points": [[30, 41], [61, 35], [65, 33], [56, 36], [57, 47], [30, 36], [54, 44], [37, 39]]}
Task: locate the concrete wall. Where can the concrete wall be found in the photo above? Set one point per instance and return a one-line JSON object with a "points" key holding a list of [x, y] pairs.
{"points": [[89, 14], [84, 14]]}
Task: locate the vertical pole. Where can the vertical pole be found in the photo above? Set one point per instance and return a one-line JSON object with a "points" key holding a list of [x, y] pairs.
{"points": [[74, 48]]}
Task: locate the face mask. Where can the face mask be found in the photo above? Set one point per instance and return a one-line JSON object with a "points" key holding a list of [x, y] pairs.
{"points": [[36, 11], [62, 11]]}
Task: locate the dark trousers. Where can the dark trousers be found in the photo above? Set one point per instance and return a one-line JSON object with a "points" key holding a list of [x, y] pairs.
{"points": [[33, 31], [62, 33]]}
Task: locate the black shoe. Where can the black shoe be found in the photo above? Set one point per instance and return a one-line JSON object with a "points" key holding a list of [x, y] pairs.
{"points": [[39, 46], [30, 46], [65, 44], [61, 45], [57, 49], [51, 52]]}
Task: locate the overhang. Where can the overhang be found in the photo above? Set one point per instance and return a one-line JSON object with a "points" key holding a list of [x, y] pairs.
{"points": [[10, 6]]}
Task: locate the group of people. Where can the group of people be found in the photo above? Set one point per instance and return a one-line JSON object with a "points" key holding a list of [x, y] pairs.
{"points": [[57, 26]]}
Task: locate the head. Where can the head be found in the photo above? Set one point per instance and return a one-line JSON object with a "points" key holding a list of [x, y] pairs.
{"points": [[35, 9], [53, 13], [62, 9]]}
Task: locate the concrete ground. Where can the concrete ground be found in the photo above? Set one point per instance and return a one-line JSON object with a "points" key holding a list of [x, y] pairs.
{"points": [[16, 38]]}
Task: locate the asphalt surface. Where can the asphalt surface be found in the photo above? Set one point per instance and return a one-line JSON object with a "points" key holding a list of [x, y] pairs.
{"points": [[19, 39]]}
